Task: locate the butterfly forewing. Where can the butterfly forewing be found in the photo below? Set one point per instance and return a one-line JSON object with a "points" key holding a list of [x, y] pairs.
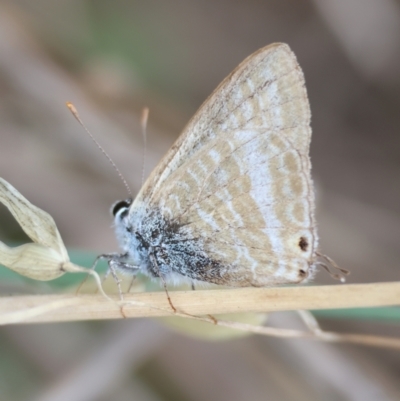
{"points": [[237, 183]]}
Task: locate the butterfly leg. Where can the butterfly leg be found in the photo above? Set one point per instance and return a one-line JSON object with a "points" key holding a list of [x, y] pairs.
{"points": [[162, 278], [131, 284], [113, 271], [106, 256], [117, 261]]}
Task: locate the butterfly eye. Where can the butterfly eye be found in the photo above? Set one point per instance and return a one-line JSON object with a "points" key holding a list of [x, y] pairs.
{"points": [[121, 207]]}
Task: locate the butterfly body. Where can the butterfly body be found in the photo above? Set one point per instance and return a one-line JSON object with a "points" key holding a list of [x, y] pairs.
{"points": [[232, 202]]}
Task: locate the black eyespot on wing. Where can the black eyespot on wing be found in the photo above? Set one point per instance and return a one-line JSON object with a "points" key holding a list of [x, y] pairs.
{"points": [[303, 244], [120, 205]]}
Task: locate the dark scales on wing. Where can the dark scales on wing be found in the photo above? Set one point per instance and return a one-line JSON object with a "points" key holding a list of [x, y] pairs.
{"points": [[173, 249]]}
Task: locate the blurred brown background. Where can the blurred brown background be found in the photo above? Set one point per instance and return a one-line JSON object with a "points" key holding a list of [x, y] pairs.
{"points": [[111, 58]]}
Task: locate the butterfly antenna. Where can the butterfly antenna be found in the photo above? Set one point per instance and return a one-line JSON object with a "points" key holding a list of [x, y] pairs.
{"points": [[143, 123], [74, 112]]}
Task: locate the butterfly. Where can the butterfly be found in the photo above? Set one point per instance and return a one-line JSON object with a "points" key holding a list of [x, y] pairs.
{"points": [[232, 201]]}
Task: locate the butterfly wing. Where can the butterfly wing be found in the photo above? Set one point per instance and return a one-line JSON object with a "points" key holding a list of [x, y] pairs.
{"points": [[238, 178]]}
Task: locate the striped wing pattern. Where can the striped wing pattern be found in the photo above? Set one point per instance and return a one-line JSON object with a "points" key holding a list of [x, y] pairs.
{"points": [[238, 179]]}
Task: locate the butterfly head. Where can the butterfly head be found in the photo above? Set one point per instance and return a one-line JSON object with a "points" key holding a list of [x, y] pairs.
{"points": [[120, 209]]}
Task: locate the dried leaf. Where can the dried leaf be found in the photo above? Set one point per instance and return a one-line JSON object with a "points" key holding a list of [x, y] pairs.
{"points": [[44, 259]]}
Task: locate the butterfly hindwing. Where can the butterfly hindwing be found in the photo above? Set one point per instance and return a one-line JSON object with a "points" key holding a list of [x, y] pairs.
{"points": [[237, 183]]}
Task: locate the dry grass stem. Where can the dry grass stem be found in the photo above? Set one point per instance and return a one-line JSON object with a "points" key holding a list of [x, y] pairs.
{"points": [[360, 339], [152, 304], [191, 304]]}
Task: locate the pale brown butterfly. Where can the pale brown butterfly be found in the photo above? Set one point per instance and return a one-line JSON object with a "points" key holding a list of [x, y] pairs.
{"points": [[232, 201]]}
